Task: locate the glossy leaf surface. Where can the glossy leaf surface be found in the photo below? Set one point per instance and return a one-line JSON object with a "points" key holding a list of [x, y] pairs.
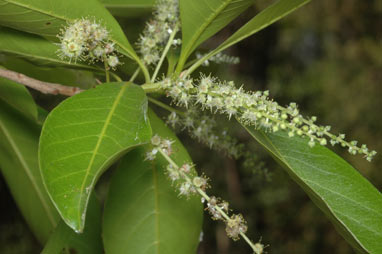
{"points": [[143, 213], [201, 19], [83, 136], [19, 166], [348, 199]]}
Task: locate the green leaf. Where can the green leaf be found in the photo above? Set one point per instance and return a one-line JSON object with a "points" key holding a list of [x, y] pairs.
{"points": [[143, 213], [270, 15], [19, 166], [265, 18], [34, 48], [128, 8], [201, 19], [83, 136], [18, 97], [46, 18], [348, 199], [65, 240]]}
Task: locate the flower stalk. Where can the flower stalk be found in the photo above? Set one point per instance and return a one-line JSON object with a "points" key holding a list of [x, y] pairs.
{"points": [[191, 184], [254, 109]]}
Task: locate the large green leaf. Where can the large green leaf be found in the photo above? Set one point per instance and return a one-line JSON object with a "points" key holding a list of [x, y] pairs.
{"points": [[203, 18], [83, 136], [46, 18], [18, 97], [143, 213], [19, 166], [34, 48], [348, 199], [128, 8], [265, 18], [65, 240]]}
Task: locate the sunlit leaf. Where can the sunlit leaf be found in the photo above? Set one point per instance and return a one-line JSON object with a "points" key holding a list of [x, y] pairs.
{"points": [[83, 136]]}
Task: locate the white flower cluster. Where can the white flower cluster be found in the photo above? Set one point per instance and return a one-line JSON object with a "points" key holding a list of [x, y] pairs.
{"points": [[235, 226], [219, 210], [158, 30], [159, 143], [181, 175], [255, 109], [86, 40], [204, 129], [189, 183], [219, 58]]}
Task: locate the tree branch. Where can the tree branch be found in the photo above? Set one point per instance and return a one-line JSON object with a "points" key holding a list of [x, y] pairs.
{"points": [[43, 87]]}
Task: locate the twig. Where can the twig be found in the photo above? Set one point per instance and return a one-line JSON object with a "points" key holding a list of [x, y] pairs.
{"points": [[106, 69], [135, 75], [43, 87], [165, 106], [164, 54], [206, 197]]}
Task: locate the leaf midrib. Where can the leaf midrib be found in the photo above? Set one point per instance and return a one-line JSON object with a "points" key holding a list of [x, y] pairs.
{"points": [[276, 152], [205, 25], [99, 141], [29, 174]]}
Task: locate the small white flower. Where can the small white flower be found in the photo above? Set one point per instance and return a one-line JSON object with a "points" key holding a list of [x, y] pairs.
{"points": [[112, 61]]}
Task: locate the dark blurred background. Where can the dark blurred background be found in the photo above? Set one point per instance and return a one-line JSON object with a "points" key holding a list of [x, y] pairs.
{"points": [[327, 57]]}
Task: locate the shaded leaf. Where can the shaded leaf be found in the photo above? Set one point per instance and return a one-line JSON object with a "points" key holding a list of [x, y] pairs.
{"points": [[42, 115], [19, 166], [83, 136], [65, 240], [128, 8], [265, 18], [46, 18], [201, 19], [34, 48], [348, 199], [18, 97], [143, 213]]}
